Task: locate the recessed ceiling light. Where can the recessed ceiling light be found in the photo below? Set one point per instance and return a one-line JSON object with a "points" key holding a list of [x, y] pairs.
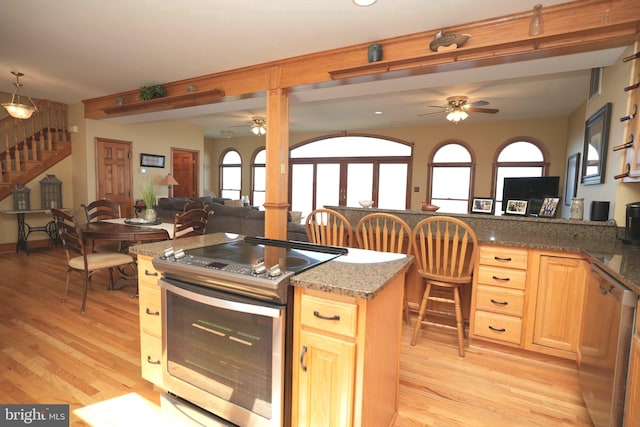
{"points": [[378, 112], [364, 2]]}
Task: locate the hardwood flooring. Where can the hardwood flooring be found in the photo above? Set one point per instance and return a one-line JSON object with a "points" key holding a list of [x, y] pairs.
{"points": [[50, 353]]}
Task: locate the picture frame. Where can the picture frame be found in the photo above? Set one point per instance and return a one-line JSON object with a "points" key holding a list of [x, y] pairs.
{"points": [[596, 141], [549, 207], [151, 160], [516, 207], [534, 206], [571, 181], [482, 205]]}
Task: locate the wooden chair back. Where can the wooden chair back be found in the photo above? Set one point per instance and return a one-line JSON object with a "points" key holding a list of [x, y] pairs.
{"points": [[328, 227], [384, 232], [69, 233], [101, 209], [195, 204], [445, 249], [190, 223]]}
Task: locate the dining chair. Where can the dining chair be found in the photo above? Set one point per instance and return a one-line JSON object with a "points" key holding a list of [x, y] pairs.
{"points": [[99, 210], [385, 232], [194, 204], [328, 227], [190, 223], [445, 250], [79, 260]]}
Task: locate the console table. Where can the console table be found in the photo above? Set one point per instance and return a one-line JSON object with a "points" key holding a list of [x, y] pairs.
{"points": [[24, 229]]}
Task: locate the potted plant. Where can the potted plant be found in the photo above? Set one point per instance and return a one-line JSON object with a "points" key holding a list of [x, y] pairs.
{"points": [[151, 92], [148, 194]]}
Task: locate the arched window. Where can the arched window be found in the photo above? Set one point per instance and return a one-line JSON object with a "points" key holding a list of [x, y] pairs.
{"points": [[342, 170], [231, 175], [451, 175], [517, 158], [259, 177]]}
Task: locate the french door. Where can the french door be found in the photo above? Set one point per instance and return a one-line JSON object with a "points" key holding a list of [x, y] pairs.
{"points": [[316, 183]]}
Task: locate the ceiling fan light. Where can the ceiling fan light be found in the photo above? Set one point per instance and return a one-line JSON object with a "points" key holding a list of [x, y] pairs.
{"points": [[16, 108], [364, 3], [457, 115], [259, 127]]}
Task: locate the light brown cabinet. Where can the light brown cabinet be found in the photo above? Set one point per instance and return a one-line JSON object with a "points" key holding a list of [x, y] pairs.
{"points": [[346, 357], [529, 299], [557, 290], [149, 305], [498, 295], [632, 405]]}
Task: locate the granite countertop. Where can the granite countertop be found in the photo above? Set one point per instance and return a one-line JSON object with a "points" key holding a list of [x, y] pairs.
{"points": [[360, 273]]}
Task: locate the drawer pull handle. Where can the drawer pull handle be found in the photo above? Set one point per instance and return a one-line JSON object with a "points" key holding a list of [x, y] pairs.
{"points": [[499, 258], [320, 316], [152, 313], [499, 302], [497, 329], [150, 273], [502, 279], [152, 362], [302, 354]]}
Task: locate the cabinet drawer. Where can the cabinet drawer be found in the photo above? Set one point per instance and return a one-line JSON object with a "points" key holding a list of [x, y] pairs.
{"points": [[503, 257], [150, 303], [151, 358], [146, 272], [328, 315], [504, 277], [500, 300], [498, 327]]}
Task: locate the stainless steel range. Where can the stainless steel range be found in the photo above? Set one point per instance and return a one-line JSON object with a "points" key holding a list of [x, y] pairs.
{"points": [[227, 328]]}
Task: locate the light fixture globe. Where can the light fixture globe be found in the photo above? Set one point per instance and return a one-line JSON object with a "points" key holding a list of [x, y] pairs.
{"points": [[259, 126], [16, 108]]}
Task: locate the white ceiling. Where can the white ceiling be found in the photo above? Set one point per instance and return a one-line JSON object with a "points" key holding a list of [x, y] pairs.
{"points": [[70, 50]]}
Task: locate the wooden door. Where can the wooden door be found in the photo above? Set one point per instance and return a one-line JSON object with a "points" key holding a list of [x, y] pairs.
{"points": [[114, 173], [185, 171]]}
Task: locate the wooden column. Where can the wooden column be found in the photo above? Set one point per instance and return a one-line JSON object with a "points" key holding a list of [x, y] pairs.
{"points": [[277, 168]]}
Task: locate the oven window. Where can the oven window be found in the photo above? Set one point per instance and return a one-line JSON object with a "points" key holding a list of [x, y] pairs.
{"points": [[224, 352]]}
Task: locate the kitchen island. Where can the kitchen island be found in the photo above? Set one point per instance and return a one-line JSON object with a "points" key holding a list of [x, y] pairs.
{"points": [[346, 333]]}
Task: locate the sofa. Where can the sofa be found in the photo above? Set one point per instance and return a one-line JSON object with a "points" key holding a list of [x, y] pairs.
{"points": [[227, 219]]}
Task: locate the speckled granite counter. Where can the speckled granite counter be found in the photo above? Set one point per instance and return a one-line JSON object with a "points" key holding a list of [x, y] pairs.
{"points": [[598, 240], [360, 273]]}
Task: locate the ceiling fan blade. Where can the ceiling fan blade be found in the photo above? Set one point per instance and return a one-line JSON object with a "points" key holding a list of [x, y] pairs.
{"points": [[483, 110], [478, 104], [435, 112]]}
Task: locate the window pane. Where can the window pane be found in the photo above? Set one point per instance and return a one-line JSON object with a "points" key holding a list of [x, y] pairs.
{"points": [[512, 172], [452, 153], [351, 146], [261, 157], [231, 177], [232, 158], [392, 188], [359, 183], [451, 206], [230, 194], [327, 185], [259, 178], [521, 151], [450, 183], [302, 190]]}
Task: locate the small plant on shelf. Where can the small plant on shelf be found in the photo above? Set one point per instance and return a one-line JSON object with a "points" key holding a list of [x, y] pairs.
{"points": [[151, 92], [148, 193]]}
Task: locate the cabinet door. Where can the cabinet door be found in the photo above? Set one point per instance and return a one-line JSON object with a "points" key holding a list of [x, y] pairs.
{"points": [[326, 380], [632, 407], [558, 309]]}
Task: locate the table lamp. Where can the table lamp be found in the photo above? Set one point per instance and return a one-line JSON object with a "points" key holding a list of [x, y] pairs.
{"points": [[169, 181]]}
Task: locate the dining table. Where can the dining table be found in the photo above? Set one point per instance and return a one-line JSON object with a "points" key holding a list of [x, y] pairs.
{"points": [[129, 232]]}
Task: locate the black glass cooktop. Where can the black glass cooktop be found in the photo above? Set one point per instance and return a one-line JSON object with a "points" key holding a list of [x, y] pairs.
{"points": [[297, 256]]}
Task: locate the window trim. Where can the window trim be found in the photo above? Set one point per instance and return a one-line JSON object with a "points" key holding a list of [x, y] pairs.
{"points": [[471, 165], [222, 165]]}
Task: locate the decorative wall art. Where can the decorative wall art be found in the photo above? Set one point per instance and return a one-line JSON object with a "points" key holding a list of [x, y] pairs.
{"points": [[151, 160], [571, 181], [596, 141]]}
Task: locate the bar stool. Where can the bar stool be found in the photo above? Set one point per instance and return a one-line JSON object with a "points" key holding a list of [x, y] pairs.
{"points": [[445, 250]]}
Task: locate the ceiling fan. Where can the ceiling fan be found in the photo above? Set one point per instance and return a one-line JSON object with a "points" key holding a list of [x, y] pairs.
{"points": [[258, 125], [458, 108]]}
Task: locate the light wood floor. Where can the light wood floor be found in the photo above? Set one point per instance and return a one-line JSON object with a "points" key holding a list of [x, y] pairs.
{"points": [[50, 353]]}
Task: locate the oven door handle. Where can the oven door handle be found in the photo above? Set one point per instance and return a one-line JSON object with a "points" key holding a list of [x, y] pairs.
{"points": [[251, 306]]}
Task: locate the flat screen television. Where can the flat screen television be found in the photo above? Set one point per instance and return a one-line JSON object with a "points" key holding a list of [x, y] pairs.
{"points": [[528, 188]]}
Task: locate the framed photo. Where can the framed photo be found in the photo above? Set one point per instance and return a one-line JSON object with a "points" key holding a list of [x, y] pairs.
{"points": [[151, 160], [549, 207], [533, 209], [517, 207], [484, 206], [571, 181], [596, 141]]}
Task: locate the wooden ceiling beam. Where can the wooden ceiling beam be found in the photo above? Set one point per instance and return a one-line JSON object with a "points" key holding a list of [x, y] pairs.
{"points": [[575, 27]]}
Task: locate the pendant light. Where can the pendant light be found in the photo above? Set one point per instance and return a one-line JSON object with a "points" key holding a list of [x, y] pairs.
{"points": [[16, 108], [259, 126]]}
